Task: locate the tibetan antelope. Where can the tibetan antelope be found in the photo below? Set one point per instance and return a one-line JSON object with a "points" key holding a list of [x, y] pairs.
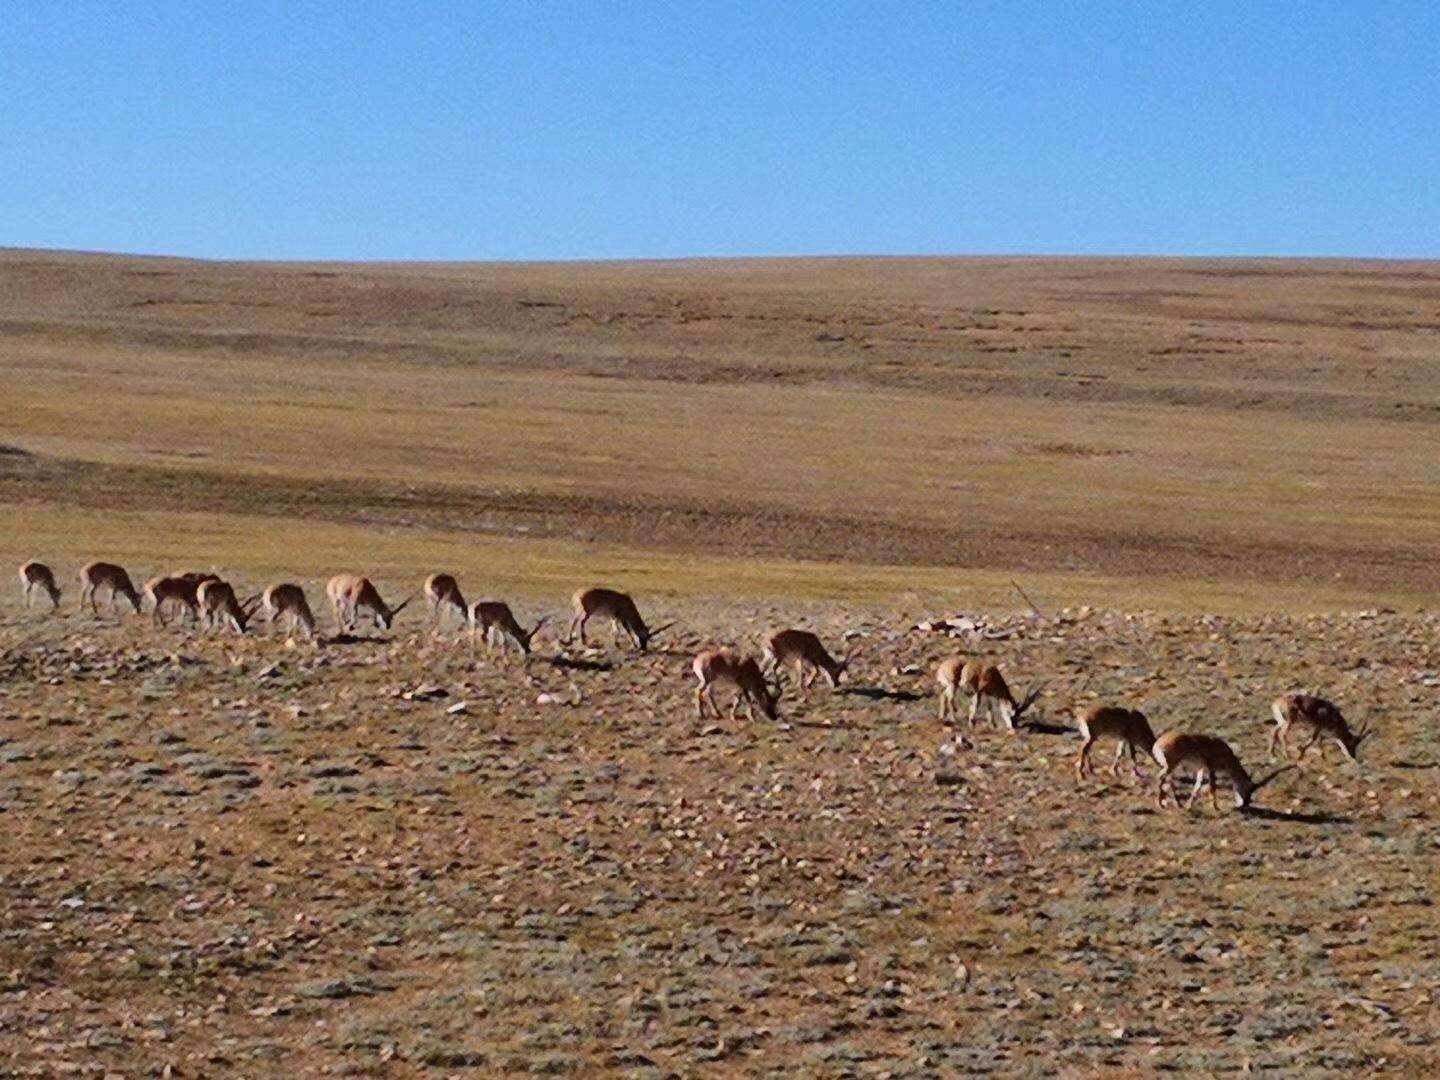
{"points": [[722, 665], [494, 620], [1128, 727], [103, 575], [36, 575], [442, 593], [1321, 717], [349, 593], [1211, 758], [619, 608], [216, 600], [807, 653], [984, 683], [177, 591], [288, 600]]}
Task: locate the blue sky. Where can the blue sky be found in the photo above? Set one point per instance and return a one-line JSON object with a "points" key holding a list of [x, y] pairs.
{"points": [[544, 130]]}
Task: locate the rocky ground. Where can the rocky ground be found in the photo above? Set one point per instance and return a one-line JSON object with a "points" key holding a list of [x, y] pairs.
{"points": [[381, 857]]}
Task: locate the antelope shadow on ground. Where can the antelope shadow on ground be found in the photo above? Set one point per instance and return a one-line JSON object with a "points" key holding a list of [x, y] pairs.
{"points": [[880, 693], [353, 639], [1320, 817], [574, 663]]}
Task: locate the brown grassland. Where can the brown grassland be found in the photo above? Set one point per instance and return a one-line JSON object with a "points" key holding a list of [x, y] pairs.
{"points": [[383, 855]]}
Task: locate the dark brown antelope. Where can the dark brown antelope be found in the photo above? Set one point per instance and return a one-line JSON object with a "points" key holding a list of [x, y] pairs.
{"points": [[807, 653], [493, 620], [288, 600], [221, 608], [104, 575], [722, 665], [620, 609], [1322, 717], [169, 593], [37, 576], [1128, 727], [1211, 758]]}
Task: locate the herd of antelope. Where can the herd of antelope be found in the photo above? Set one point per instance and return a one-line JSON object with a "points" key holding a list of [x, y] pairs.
{"points": [[204, 598]]}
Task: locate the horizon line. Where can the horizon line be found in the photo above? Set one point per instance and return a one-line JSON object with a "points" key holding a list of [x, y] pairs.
{"points": [[12, 250]]}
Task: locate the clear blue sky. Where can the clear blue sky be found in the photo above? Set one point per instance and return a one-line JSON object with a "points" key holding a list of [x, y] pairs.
{"points": [[534, 129]]}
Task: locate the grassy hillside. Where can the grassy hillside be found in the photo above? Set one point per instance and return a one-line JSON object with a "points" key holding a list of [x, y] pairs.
{"points": [[1164, 433]]}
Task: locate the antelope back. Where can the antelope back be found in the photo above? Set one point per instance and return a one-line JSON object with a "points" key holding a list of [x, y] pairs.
{"points": [[949, 672]]}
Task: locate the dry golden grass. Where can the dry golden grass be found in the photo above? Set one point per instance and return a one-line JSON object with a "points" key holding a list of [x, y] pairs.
{"points": [[1240, 434]]}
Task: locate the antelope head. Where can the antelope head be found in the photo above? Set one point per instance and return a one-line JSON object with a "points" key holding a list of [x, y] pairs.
{"points": [[386, 619], [1352, 744]]}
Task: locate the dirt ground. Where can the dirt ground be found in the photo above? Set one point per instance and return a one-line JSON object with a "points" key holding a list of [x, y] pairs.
{"points": [[383, 857]]}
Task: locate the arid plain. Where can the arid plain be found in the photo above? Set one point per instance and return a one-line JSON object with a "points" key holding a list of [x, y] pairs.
{"points": [[1217, 479]]}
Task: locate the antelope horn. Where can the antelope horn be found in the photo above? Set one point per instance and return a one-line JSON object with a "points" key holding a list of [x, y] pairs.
{"points": [[1261, 783], [661, 629], [1029, 699]]}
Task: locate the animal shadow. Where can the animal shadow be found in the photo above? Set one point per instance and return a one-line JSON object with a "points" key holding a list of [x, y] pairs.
{"points": [[352, 639], [880, 693], [1044, 727], [1321, 817], [575, 663]]}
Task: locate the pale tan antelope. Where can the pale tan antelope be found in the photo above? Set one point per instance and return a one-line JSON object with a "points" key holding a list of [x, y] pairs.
{"points": [[221, 608], [722, 665], [1322, 717], [493, 620], [1128, 727], [37, 576], [1211, 758], [349, 593], [442, 593], [288, 600], [619, 608], [174, 592], [983, 681], [104, 575], [805, 651]]}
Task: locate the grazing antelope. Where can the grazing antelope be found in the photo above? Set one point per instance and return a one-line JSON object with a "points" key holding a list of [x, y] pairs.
{"points": [[808, 655], [1321, 717], [496, 622], [442, 592], [619, 608], [36, 575], [984, 683], [1211, 758], [1128, 727], [289, 600], [722, 665], [217, 600], [181, 592], [349, 593], [104, 575]]}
